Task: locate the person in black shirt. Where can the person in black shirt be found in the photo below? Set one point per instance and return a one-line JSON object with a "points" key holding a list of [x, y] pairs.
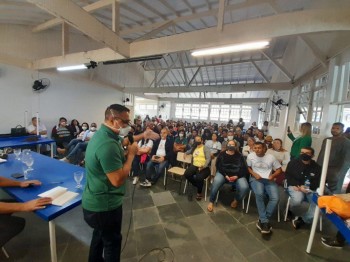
{"points": [[298, 171], [231, 168]]}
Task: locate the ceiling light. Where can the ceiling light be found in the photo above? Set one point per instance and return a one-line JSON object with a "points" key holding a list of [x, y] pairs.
{"points": [[69, 68], [231, 48]]}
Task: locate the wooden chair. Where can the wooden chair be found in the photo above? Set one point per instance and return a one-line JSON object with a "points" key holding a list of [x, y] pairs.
{"points": [[185, 160]]}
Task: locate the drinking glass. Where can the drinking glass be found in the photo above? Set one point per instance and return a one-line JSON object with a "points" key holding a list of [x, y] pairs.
{"points": [[78, 176], [25, 172], [17, 152], [29, 162]]}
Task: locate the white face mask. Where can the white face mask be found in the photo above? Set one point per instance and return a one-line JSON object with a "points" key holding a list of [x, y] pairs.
{"points": [[84, 128], [93, 129], [230, 137], [124, 131], [181, 135]]}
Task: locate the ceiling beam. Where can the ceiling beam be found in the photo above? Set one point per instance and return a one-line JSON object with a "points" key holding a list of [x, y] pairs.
{"points": [[194, 76], [155, 31], [216, 100], [168, 70], [99, 55], [294, 23], [261, 72], [315, 50], [221, 15], [212, 88], [115, 16], [65, 39], [278, 65], [15, 61], [75, 16], [56, 21]]}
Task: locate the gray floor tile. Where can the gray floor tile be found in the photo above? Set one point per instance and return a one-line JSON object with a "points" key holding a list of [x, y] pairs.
{"points": [[145, 217], [220, 248], [286, 251], [170, 212], [190, 208], [202, 225], [191, 251], [245, 241], [264, 255], [179, 232], [148, 238], [142, 201], [224, 220], [130, 249], [162, 198]]}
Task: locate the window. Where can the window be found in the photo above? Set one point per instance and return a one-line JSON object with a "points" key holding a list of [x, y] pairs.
{"points": [[204, 112], [195, 111], [187, 111], [215, 112], [235, 113], [317, 109], [303, 101], [178, 110], [142, 107], [246, 113], [225, 113], [149, 106]]}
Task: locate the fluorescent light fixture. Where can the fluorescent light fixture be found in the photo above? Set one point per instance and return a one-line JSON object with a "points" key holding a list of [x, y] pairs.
{"points": [[69, 68], [231, 48]]}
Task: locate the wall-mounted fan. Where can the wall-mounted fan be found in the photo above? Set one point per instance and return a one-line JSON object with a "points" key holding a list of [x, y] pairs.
{"points": [[41, 84], [279, 104]]}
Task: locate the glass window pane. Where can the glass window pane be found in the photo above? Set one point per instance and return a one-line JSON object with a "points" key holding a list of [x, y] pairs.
{"points": [[214, 112], [195, 111], [187, 111], [203, 115]]}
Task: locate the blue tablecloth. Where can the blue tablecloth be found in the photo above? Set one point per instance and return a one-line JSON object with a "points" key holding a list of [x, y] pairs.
{"points": [[51, 173]]}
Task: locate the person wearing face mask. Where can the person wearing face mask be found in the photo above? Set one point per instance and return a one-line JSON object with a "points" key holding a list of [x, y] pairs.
{"points": [[215, 148], [231, 168], [300, 170], [107, 168], [199, 168], [180, 143], [77, 146], [62, 135]]}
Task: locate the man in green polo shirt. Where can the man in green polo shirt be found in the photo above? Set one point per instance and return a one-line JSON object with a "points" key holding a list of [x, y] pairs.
{"points": [[106, 171]]}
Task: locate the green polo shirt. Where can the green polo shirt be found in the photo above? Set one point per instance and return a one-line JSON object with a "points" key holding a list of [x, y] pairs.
{"points": [[104, 154]]}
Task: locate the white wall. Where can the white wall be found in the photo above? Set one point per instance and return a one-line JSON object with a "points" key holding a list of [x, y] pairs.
{"points": [[71, 96]]}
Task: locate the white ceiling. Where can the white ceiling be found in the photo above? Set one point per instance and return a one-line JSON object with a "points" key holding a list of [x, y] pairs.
{"points": [[143, 20]]}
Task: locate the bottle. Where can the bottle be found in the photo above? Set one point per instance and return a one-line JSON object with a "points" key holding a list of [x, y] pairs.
{"points": [[307, 185]]}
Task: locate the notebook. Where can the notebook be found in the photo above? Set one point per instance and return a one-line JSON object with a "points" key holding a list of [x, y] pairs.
{"points": [[60, 195]]}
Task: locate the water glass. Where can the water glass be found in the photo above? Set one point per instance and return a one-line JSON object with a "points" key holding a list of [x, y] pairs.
{"points": [[17, 152], [78, 176]]}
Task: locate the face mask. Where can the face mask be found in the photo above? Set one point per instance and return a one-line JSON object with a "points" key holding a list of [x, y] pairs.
{"points": [[231, 148], [305, 157], [93, 129], [225, 139], [181, 135], [196, 143], [230, 137], [84, 128], [124, 131]]}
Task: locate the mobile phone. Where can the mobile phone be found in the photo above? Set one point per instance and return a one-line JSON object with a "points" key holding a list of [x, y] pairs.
{"points": [[17, 175], [156, 157]]}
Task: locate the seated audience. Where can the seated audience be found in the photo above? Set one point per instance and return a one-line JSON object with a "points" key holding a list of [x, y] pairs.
{"points": [[249, 148], [32, 128], [231, 168], [199, 168], [62, 135], [260, 136], [279, 153], [161, 153], [265, 128], [300, 170], [268, 141], [141, 157], [261, 166], [13, 225], [215, 148], [75, 127], [190, 138]]}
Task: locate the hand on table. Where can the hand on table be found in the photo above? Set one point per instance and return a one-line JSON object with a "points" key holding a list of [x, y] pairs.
{"points": [[30, 183], [36, 204]]}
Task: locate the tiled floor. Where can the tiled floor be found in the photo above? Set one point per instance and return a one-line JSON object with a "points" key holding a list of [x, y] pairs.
{"points": [[165, 219]]}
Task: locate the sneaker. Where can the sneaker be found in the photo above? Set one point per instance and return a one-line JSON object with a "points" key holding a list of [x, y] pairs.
{"points": [[264, 228], [297, 222], [135, 180], [64, 159], [146, 184], [332, 243]]}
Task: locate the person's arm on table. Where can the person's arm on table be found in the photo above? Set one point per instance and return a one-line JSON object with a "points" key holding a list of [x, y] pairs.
{"points": [[6, 182]]}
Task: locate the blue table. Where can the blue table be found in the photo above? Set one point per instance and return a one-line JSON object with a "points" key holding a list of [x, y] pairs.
{"points": [[21, 142], [51, 173]]}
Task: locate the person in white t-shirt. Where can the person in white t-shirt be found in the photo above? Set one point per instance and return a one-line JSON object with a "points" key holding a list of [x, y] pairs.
{"points": [[141, 157], [261, 166], [32, 128]]}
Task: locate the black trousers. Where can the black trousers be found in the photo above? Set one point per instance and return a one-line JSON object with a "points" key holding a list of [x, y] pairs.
{"points": [[107, 238], [196, 178], [10, 226]]}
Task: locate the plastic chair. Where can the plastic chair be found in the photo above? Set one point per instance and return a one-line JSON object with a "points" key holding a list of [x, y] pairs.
{"points": [[185, 160]]}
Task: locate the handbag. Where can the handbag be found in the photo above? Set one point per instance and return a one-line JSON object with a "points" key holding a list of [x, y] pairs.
{"points": [[18, 131]]}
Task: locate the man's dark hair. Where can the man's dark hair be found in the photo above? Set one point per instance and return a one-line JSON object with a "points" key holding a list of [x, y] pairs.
{"points": [[310, 149], [260, 143], [63, 118], [224, 130], [338, 124], [116, 109]]}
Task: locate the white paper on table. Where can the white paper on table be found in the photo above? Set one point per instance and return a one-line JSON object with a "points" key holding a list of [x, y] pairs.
{"points": [[60, 195], [3, 160]]}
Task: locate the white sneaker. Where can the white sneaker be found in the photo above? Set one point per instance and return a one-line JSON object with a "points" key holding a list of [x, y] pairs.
{"points": [[146, 184], [136, 179], [64, 159]]}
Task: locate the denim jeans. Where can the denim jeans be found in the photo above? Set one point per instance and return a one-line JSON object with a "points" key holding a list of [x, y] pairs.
{"points": [[77, 150], [260, 187], [159, 170], [107, 238], [241, 184], [301, 205]]}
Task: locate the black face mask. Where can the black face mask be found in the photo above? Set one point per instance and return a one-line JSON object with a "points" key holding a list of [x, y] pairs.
{"points": [[231, 148], [305, 157], [196, 143]]}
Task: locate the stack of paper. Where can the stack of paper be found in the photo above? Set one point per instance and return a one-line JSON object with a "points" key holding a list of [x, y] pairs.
{"points": [[60, 195]]}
